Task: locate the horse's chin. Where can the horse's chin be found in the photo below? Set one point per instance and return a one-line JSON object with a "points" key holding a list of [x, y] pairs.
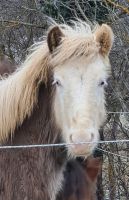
{"points": [[75, 151]]}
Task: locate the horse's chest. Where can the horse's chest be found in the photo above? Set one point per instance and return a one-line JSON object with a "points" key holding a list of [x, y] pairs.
{"points": [[55, 183], [28, 174]]}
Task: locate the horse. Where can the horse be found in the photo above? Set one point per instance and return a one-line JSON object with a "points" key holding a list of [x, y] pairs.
{"points": [[55, 96], [6, 65], [80, 178]]}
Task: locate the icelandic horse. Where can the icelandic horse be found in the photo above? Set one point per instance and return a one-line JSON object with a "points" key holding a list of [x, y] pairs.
{"points": [[57, 95]]}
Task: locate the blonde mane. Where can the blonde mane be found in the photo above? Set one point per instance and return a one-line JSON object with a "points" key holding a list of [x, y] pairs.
{"points": [[18, 93]]}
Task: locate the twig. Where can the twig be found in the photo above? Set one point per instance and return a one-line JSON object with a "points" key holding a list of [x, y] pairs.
{"points": [[124, 9], [81, 11], [17, 23]]}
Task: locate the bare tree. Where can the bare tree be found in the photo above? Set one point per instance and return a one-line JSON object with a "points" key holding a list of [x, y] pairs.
{"points": [[22, 22]]}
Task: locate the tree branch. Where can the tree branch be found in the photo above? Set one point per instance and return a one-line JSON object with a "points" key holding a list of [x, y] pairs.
{"points": [[124, 9], [17, 23]]}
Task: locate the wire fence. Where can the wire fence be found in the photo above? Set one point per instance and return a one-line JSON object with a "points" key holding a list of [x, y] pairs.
{"points": [[60, 144]]}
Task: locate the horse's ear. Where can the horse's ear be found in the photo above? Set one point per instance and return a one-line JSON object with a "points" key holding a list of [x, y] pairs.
{"points": [[104, 36], [93, 167], [54, 38]]}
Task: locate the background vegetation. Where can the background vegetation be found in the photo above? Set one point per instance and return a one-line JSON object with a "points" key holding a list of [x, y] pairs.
{"points": [[22, 22]]}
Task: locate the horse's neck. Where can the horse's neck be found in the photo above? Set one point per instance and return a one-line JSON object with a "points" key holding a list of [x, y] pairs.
{"points": [[46, 163], [40, 126]]}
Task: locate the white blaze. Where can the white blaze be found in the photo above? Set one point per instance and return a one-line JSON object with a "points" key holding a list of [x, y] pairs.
{"points": [[79, 101]]}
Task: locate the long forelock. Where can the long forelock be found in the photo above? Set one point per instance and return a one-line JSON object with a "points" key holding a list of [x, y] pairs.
{"points": [[78, 41], [79, 27]]}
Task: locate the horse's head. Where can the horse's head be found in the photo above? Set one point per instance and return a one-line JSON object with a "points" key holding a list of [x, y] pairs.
{"points": [[81, 67]]}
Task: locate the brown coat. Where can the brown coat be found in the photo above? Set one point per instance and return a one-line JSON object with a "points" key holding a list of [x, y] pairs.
{"points": [[80, 179], [6, 65], [28, 174]]}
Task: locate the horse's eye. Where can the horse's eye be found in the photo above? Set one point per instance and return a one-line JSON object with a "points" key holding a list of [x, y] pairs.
{"points": [[103, 83], [57, 82]]}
